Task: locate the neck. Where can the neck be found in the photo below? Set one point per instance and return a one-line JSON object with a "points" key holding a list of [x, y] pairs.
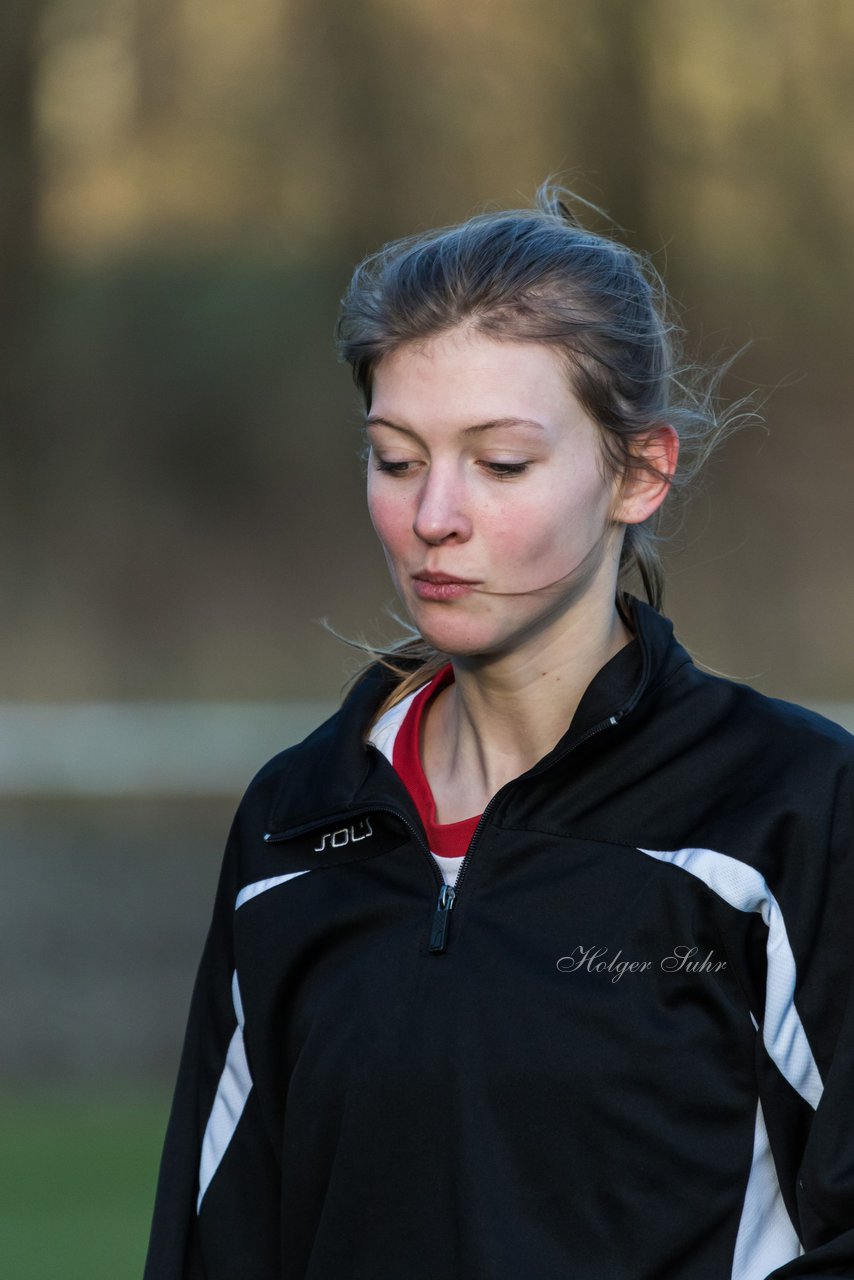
{"points": [[505, 712]]}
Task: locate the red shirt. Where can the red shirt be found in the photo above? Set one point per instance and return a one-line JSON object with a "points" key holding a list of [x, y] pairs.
{"points": [[447, 839]]}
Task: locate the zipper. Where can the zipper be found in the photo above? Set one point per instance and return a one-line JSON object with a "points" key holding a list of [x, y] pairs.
{"points": [[441, 919], [448, 893]]}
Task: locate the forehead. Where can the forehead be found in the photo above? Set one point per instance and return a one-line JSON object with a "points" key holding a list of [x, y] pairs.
{"points": [[461, 375]]}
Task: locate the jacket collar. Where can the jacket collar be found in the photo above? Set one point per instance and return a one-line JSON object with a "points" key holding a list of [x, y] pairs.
{"points": [[618, 687], [334, 773]]}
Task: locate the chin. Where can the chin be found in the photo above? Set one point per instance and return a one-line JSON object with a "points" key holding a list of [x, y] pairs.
{"points": [[462, 640], [449, 635]]}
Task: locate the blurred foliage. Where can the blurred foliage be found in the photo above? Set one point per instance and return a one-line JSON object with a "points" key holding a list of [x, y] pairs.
{"points": [[187, 184]]}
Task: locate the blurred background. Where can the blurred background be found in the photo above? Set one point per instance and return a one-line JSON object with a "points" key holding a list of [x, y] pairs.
{"points": [[186, 185]]}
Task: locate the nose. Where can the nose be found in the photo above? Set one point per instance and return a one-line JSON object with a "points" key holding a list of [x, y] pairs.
{"points": [[441, 513]]}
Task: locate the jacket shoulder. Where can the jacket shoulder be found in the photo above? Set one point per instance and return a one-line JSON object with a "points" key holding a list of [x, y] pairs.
{"points": [[777, 719], [325, 769]]}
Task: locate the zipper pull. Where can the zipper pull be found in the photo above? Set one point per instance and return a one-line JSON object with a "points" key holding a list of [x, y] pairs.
{"points": [[441, 920]]}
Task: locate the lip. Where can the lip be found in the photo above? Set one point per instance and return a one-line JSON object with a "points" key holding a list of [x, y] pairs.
{"points": [[440, 586], [426, 576]]}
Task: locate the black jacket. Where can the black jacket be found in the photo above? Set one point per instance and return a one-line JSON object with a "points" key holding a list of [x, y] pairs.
{"points": [[622, 1054]]}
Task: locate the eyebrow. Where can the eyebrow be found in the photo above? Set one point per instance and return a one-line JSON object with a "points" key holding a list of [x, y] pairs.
{"points": [[374, 420]]}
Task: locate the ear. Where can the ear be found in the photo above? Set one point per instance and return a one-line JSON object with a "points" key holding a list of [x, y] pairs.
{"points": [[647, 482]]}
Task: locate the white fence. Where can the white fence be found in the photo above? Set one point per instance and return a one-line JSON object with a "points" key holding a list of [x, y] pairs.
{"points": [[154, 748], [171, 749]]}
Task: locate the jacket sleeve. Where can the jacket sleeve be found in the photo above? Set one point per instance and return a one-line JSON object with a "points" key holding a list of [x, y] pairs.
{"points": [[825, 1181], [216, 1209], [824, 1173]]}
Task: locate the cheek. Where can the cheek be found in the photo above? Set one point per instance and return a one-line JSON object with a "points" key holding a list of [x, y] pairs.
{"points": [[389, 516], [560, 521]]}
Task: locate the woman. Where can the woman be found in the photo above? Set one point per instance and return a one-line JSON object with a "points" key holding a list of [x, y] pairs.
{"points": [[532, 960]]}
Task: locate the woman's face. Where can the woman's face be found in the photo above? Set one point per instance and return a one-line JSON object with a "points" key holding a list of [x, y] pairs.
{"points": [[487, 488]]}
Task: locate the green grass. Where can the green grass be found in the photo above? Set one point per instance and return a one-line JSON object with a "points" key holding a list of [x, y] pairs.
{"points": [[77, 1178]]}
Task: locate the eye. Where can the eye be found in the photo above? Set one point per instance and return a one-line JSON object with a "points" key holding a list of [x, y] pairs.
{"points": [[392, 468], [501, 469]]}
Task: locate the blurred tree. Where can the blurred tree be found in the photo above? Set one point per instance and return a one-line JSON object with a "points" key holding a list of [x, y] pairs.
{"points": [[19, 257], [348, 142], [19, 165], [156, 49], [18, 156], [606, 104], [186, 184]]}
